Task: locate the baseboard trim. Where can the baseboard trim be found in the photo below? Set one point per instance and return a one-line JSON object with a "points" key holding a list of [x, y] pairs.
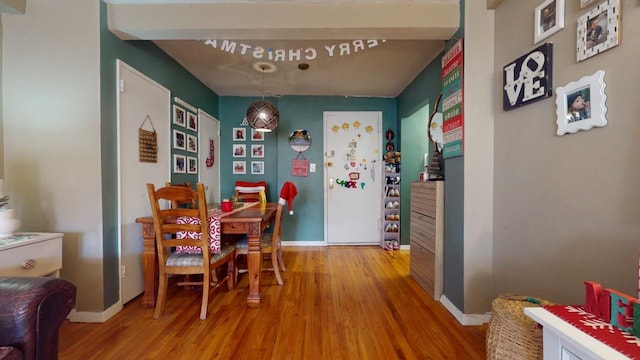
{"points": [[464, 319], [322, 243], [94, 317]]}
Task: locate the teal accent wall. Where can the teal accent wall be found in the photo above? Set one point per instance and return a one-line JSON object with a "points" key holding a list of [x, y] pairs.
{"points": [[296, 112], [147, 58], [423, 91]]}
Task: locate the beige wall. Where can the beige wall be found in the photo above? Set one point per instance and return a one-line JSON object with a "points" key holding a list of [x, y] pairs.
{"points": [[566, 209], [50, 95]]}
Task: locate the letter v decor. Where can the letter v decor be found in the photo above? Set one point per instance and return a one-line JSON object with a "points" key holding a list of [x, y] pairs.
{"points": [[528, 78]]}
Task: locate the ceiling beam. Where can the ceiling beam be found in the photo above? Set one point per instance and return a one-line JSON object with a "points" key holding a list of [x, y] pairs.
{"points": [[313, 20]]}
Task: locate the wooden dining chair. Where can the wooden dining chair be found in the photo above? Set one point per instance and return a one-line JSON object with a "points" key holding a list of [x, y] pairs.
{"points": [[271, 243], [174, 228], [251, 191], [176, 204]]}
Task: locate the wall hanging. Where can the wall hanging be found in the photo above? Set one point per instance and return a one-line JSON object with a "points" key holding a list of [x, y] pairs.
{"points": [[549, 19], [528, 78], [581, 104], [148, 140], [599, 29], [300, 140]]}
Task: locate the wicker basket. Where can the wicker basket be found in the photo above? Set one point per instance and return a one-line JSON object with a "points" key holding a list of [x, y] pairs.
{"points": [[512, 335]]}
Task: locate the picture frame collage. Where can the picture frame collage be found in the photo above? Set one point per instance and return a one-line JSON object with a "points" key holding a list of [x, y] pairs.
{"points": [[580, 104], [184, 140], [255, 149]]}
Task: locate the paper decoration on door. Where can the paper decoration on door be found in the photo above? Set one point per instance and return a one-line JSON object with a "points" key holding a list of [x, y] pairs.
{"points": [[211, 159], [300, 167], [148, 141]]}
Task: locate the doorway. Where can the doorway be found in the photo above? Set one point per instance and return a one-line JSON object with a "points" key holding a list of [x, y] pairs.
{"points": [[353, 177], [141, 103]]}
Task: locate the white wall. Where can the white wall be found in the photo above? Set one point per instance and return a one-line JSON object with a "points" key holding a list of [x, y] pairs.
{"points": [[51, 101]]}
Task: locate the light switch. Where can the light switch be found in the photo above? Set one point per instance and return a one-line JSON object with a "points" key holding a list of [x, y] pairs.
{"points": [[312, 167]]}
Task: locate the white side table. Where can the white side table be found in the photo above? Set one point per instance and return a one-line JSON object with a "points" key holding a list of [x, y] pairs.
{"points": [[31, 254], [563, 341]]}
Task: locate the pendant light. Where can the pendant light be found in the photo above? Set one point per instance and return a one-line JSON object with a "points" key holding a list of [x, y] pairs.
{"points": [[262, 115]]}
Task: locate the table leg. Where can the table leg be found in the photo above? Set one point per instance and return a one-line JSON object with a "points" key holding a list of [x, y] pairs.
{"points": [[149, 266], [254, 264]]}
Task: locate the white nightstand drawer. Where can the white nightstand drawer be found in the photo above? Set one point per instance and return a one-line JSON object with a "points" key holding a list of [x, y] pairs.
{"points": [[39, 256]]}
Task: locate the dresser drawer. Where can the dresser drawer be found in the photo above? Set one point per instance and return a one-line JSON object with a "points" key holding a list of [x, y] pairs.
{"points": [[33, 259], [423, 197], [423, 231], [422, 267]]}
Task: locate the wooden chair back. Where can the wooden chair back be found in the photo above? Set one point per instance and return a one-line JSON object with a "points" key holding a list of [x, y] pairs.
{"points": [[186, 203], [251, 191], [170, 233]]}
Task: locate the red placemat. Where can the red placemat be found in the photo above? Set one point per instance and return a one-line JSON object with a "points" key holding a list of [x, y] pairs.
{"points": [[577, 316]]}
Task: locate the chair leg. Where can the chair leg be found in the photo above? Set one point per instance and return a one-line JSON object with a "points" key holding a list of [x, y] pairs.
{"points": [[276, 271], [232, 272], [280, 260], [162, 295], [206, 285]]}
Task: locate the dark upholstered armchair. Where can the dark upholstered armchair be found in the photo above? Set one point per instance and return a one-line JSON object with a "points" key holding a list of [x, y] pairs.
{"points": [[31, 312]]}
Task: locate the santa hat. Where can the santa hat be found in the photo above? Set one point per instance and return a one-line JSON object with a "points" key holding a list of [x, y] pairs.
{"points": [[287, 194]]}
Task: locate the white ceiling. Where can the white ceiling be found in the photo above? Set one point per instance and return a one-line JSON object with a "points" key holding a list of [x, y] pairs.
{"points": [[353, 48]]}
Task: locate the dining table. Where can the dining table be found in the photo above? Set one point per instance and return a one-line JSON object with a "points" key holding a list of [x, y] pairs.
{"points": [[245, 219]]}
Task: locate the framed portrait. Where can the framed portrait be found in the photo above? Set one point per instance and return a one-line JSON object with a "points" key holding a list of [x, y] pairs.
{"points": [[192, 165], [598, 29], [257, 167], [257, 151], [549, 19], [179, 140], [192, 121], [586, 3], [257, 135], [239, 150], [192, 143], [178, 115], [239, 167], [239, 134], [580, 105], [179, 164]]}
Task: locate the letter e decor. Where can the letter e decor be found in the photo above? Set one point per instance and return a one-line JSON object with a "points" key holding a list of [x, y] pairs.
{"points": [[528, 78]]}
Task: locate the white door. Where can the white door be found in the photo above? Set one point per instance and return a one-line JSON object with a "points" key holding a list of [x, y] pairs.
{"points": [[209, 155], [353, 177], [138, 97]]}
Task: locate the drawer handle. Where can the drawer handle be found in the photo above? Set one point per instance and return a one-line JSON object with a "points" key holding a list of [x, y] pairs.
{"points": [[29, 264]]}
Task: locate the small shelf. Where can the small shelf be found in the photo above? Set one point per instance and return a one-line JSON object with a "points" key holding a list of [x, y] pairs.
{"points": [[390, 238]]}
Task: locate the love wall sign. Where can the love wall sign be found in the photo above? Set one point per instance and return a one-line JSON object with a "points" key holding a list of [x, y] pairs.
{"points": [[528, 78]]}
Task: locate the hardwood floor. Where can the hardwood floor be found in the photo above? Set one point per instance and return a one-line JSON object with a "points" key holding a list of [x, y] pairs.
{"points": [[336, 303]]}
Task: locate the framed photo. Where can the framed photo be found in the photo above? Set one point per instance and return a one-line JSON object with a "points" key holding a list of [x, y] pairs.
{"points": [[549, 19], [598, 29], [192, 121], [179, 164], [239, 150], [179, 140], [239, 134], [257, 135], [257, 167], [239, 167], [178, 115], [586, 3], [192, 143], [257, 151], [581, 104], [192, 165]]}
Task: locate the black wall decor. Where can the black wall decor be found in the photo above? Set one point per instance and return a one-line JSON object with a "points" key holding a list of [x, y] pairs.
{"points": [[528, 78]]}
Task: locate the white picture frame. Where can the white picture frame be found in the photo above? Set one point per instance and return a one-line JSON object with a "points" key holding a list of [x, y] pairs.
{"points": [[192, 121], [257, 151], [179, 140], [598, 29], [586, 3], [192, 165], [239, 134], [592, 112], [239, 167], [179, 164], [549, 19], [192, 143], [179, 116], [239, 150], [257, 167]]}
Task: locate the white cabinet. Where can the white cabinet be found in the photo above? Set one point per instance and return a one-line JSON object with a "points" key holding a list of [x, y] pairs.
{"points": [[563, 341], [31, 254]]}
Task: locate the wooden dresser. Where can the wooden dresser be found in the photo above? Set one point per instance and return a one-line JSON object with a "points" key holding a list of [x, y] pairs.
{"points": [[31, 254], [427, 235]]}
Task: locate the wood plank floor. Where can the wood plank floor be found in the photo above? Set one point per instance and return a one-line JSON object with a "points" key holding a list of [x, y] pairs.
{"points": [[336, 303]]}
